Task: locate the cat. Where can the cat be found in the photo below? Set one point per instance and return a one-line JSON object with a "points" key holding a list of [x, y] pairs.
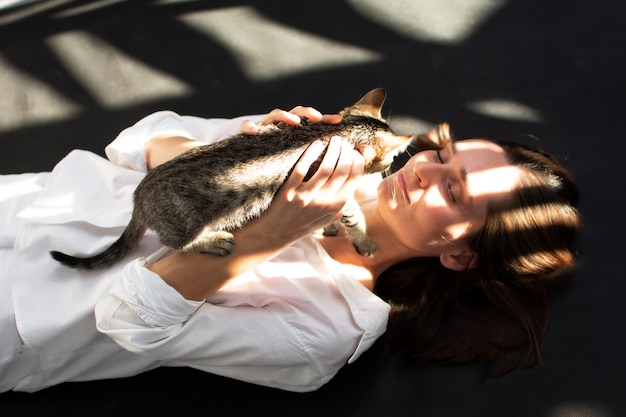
{"points": [[193, 201]]}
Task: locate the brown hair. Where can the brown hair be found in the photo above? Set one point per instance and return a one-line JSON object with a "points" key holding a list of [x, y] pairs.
{"points": [[498, 311]]}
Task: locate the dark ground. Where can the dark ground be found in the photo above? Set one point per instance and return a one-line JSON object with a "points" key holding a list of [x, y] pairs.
{"points": [[546, 72]]}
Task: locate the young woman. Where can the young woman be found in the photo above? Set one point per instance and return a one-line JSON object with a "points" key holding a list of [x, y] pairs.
{"points": [[467, 233]]}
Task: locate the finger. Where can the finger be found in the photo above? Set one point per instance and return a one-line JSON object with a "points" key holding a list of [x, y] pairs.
{"points": [[309, 113], [327, 166], [357, 170], [248, 127], [301, 169], [342, 172], [307, 191], [277, 116], [331, 119]]}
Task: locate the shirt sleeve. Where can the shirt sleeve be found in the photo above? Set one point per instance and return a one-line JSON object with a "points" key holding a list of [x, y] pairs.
{"points": [[281, 345], [127, 149]]}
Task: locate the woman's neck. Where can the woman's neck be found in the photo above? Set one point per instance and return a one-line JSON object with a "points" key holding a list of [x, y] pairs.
{"points": [[340, 249], [365, 269]]}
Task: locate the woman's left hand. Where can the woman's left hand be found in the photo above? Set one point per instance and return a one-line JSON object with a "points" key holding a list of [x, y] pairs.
{"points": [[290, 118], [299, 208], [303, 206]]}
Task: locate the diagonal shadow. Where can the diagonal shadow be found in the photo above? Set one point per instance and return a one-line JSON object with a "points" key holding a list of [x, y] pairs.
{"points": [[563, 59]]}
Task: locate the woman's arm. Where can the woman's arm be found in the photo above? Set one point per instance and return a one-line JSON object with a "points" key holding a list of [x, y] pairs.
{"points": [[162, 148], [298, 209]]}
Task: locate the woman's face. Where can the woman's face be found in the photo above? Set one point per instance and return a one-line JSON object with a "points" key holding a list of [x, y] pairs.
{"points": [[439, 197]]}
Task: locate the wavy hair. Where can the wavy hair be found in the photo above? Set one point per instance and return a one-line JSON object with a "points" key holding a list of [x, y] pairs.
{"points": [[498, 311]]}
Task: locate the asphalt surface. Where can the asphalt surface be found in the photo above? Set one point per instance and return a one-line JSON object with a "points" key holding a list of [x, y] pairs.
{"points": [[545, 72]]}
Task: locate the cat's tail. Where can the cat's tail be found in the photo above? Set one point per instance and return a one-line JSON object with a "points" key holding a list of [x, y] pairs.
{"points": [[120, 248]]}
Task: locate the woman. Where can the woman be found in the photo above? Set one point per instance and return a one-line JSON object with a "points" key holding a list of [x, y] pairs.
{"points": [[467, 233]]}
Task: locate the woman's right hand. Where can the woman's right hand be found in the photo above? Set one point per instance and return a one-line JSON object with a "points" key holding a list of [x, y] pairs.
{"points": [[299, 208], [302, 207], [290, 118]]}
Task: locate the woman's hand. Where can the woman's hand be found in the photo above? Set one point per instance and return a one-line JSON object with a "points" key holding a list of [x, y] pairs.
{"points": [[291, 118], [302, 207], [163, 148], [299, 208]]}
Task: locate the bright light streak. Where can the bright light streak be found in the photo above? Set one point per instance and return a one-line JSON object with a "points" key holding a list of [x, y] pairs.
{"points": [[115, 79], [402, 124], [580, 409], [29, 9], [30, 101], [422, 19], [86, 8], [506, 109], [268, 50]]}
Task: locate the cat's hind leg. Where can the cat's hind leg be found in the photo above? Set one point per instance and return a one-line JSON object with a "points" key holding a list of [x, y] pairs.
{"points": [[217, 242]]}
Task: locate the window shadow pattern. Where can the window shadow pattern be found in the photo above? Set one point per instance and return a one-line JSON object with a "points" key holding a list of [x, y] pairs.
{"points": [[562, 59]]}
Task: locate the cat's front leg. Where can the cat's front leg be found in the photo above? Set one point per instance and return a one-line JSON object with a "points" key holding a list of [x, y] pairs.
{"points": [[332, 229], [353, 219], [217, 242]]}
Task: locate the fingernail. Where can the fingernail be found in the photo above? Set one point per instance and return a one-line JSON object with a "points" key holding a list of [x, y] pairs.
{"points": [[318, 144]]}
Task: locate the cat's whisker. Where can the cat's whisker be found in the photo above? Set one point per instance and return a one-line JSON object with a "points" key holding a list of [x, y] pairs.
{"points": [[392, 192]]}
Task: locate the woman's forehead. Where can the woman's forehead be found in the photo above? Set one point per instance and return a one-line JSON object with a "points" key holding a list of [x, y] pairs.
{"points": [[487, 168], [478, 145]]}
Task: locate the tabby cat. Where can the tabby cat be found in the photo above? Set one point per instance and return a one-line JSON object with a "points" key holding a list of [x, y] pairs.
{"points": [[193, 201]]}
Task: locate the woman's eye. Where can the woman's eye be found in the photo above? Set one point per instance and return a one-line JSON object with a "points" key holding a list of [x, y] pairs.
{"points": [[449, 191], [448, 184]]}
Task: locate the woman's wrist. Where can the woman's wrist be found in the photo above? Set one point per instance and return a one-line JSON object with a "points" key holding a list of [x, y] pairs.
{"points": [[161, 149], [196, 275]]}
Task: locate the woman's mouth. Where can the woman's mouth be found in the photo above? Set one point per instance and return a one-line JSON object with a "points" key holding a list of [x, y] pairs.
{"points": [[402, 184]]}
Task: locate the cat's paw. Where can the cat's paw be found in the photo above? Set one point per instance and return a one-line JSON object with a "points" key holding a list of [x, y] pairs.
{"points": [[220, 243], [365, 247], [331, 230]]}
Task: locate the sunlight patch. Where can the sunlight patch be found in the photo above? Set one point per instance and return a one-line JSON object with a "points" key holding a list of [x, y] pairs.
{"points": [[506, 109], [28, 101], [445, 21], [580, 409], [268, 50], [26, 8], [85, 8], [115, 79], [408, 125]]}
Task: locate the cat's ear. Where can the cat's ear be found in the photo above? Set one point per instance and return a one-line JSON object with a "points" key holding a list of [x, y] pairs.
{"points": [[373, 101]]}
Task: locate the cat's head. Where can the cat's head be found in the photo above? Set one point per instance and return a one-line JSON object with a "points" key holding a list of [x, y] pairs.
{"points": [[379, 145]]}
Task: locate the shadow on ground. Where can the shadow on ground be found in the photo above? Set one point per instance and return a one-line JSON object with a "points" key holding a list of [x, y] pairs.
{"points": [[549, 73]]}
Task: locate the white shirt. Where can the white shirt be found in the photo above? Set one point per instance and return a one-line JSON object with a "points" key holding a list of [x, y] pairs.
{"points": [[290, 323]]}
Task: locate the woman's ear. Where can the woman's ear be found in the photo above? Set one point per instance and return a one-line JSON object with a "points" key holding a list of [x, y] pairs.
{"points": [[459, 261]]}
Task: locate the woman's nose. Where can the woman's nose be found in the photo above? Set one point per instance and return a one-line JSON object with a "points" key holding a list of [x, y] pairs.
{"points": [[427, 172]]}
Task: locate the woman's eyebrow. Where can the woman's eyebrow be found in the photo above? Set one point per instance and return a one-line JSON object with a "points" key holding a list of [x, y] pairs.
{"points": [[453, 146], [463, 172]]}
